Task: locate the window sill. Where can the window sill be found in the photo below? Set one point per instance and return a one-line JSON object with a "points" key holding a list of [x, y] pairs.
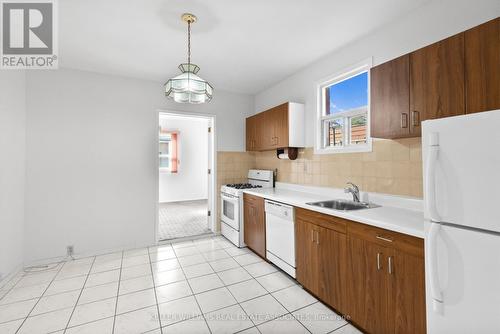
{"points": [[166, 171], [348, 149]]}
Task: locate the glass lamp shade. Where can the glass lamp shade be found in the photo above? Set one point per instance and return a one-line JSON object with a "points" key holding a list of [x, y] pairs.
{"points": [[188, 87]]}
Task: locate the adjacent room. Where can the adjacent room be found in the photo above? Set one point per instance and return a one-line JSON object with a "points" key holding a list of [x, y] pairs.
{"points": [[218, 167], [184, 163]]}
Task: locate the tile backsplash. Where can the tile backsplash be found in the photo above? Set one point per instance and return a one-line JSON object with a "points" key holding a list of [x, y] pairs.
{"points": [[393, 167]]}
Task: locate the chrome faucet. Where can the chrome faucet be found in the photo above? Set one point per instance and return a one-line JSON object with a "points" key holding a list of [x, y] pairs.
{"points": [[354, 190]]}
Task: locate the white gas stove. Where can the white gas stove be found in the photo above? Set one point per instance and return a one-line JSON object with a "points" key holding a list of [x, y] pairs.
{"points": [[232, 203]]}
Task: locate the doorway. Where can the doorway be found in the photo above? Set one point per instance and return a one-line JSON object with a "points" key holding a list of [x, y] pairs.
{"points": [[185, 175]]}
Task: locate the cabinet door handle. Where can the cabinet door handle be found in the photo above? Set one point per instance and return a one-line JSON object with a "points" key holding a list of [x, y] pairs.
{"points": [[383, 238], [404, 120], [415, 115], [312, 235], [389, 259], [317, 238], [378, 261]]}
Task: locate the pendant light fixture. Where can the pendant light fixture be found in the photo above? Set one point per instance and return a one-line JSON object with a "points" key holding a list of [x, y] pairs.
{"points": [[188, 87]]}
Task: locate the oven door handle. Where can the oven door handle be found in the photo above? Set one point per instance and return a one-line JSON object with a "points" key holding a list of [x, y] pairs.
{"points": [[230, 198]]}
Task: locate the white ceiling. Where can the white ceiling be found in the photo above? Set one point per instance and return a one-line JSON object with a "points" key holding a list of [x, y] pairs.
{"points": [[241, 46]]}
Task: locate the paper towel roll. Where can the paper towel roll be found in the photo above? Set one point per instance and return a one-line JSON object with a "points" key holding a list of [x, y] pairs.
{"points": [[287, 153], [283, 156]]}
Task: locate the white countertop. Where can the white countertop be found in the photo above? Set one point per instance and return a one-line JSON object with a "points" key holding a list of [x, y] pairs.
{"points": [[395, 218]]}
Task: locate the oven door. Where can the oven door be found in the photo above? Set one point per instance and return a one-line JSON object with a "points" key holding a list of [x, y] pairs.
{"points": [[230, 211]]}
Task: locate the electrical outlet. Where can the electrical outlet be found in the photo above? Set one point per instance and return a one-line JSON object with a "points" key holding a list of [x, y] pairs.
{"points": [[70, 250]]}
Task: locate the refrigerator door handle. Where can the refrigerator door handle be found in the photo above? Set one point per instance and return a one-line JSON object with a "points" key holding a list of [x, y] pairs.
{"points": [[436, 293], [430, 180]]}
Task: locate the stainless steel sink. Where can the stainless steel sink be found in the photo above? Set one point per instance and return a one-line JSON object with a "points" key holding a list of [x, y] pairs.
{"points": [[343, 205]]}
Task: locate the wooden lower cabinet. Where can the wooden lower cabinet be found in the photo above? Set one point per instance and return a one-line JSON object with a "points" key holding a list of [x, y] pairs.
{"points": [[386, 278], [333, 266], [307, 255], [373, 276], [408, 294], [321, 257], [254, 224], [368, 286]]}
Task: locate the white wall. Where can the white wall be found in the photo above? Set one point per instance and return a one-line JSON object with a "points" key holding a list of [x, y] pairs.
{"points": [[92, 177], [436, 20], [191, 180], [230, 110], [12, 169]]}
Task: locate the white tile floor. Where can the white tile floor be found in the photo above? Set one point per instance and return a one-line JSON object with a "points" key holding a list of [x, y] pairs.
{"points": [[200, 286]]}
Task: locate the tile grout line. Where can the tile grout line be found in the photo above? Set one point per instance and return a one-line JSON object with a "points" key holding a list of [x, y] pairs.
{"points": [[154, 290], [24, 320], [237, 303], [269, 293], [22, 274], [81, 291], [118, 292], [255, 278], [14, 285], [193, 294], [201, 249], [336, 329], [64, 279], [289, 312]]}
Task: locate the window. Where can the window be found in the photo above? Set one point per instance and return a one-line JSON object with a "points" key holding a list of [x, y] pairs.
{"points": [[343, 113], [168, 155]]}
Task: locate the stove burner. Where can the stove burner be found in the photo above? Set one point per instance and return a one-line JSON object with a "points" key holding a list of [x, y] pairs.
{"points": [[243, 186]]}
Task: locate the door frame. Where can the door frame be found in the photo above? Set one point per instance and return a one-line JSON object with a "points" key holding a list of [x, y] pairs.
{"points": [[212, 158]]}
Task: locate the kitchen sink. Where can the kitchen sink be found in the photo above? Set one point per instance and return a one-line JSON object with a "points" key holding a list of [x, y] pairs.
{"points": [[343, 205]]}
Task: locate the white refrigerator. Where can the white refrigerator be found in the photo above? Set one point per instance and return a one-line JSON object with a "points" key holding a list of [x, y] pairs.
{"points": [[461, 161]]}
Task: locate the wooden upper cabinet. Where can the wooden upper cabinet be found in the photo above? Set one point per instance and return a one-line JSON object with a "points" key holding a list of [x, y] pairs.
{"points": [[254, 224], [274, 128], [482, 67], [390, 99], [278, 127], [279, 124], [251, 133], [458, 75], [437, 81]]}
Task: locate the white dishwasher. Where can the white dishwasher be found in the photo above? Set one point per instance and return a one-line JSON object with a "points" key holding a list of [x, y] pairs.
{"points": [[280, 236]]}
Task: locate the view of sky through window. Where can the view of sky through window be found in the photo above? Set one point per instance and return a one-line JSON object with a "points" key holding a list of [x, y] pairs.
{"points": [[349, 94]]}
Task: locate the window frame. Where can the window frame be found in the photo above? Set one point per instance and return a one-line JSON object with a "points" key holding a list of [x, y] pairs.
{"points": [[320, 135], [168, 170]]}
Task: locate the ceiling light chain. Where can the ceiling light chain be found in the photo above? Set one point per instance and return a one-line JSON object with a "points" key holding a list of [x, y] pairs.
{"points": [[189, 41]]}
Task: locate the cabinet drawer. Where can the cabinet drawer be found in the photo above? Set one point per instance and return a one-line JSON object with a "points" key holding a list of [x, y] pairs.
{"points": [[320, 219], [252, 198], [383, 237]]}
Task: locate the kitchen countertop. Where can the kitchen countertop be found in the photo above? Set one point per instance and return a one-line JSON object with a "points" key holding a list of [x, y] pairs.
{"points": [[398, 219]]}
